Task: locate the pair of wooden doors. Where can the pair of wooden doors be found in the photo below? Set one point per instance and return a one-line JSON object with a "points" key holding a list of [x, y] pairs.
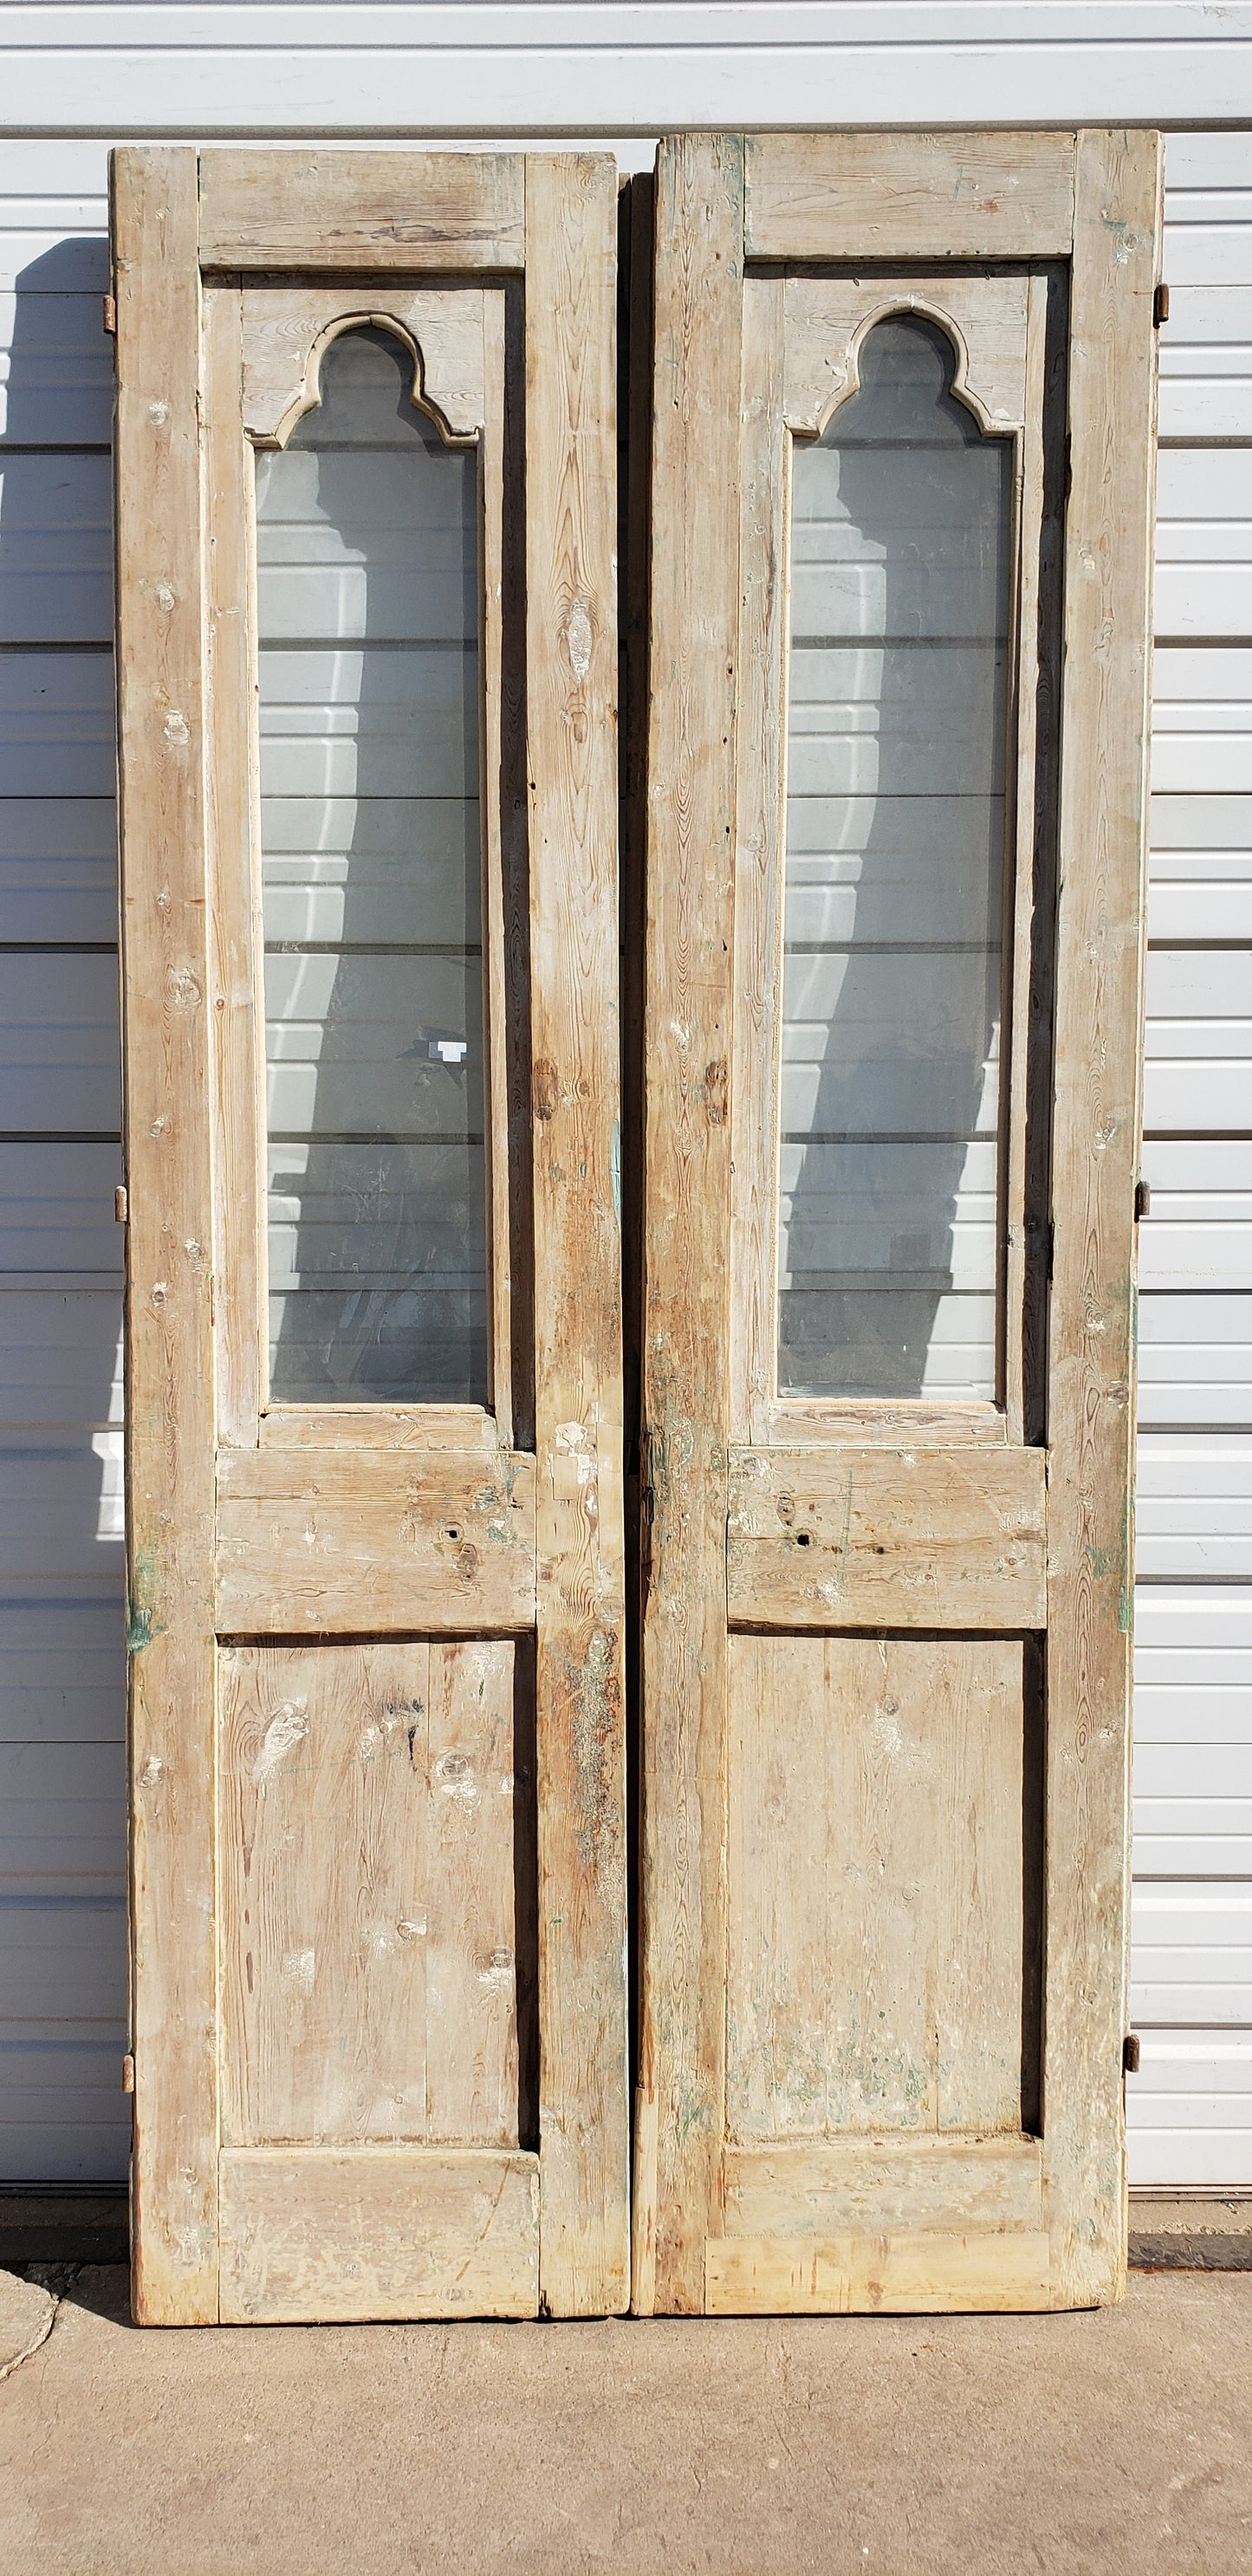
{"points": [[876, 1145]]}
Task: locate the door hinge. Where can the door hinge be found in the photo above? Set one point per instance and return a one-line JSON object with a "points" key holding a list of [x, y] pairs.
{"points": [[1160, 307], [1051, 1248], [108, 315], [1130, 2053], [121, 1204], [1069, 465], [128, 2074], [1143, 1200]]}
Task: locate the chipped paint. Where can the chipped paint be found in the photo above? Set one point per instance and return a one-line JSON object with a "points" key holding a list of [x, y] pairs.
{"points": [[299, 1969], [282, 1735], [592, 1693]]}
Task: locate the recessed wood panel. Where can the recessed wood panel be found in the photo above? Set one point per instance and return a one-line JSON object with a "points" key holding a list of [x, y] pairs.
{"points": [[855, 2186], [382, 2233], [901, 1538], [883, 1846], [368, 1839]]}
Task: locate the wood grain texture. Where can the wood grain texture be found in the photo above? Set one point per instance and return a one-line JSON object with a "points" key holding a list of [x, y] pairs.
{"points": [[925, 1538], [759, 844], [571, 628], [363, 210], [287, 328], [1112, 413], [913, 2273], [862, 196], [467, 1427], [878, 1958], [856, 2186], [169, 1353], [366, 1838], [386, 2232], [235, 929], [687, 1040], [371, 1540]]}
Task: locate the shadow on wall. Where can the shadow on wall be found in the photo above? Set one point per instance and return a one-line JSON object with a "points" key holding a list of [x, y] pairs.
{"points": [[895, 864], [62, 1935]]}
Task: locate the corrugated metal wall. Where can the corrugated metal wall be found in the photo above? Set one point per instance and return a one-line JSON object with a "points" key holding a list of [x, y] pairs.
{"points": [[62, 1973]]}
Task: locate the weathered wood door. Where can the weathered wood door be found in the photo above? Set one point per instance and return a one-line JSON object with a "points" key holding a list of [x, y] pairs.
{"points": [[901, 482], [367, 642]]}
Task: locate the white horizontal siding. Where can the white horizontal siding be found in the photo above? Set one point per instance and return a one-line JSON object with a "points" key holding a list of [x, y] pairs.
{"points": [[1192, 2112], [328, 69], [1190, 2108], [62, 1672], [62, 1806], [614, 67]]}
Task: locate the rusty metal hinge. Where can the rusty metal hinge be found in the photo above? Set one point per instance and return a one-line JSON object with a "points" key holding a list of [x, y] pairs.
{"points": [[128, 2074], [1130, 2053], [1143, 1200], [121, 1204], [1160, 307], [108, 315]]}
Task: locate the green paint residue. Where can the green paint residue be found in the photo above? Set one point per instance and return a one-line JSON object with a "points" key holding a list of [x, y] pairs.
{"points": [[142, 1623], [140, 1629]]}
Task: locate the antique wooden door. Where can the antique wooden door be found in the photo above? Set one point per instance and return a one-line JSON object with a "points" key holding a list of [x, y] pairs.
{"points": [[902, 432], [367, 655]]}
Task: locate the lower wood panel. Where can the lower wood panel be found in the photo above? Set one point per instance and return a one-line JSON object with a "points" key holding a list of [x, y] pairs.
{"points": [[376, 1874], [921, 2273], [894, 1538], [884, 1845], [858, 2186], [308, 2235]]}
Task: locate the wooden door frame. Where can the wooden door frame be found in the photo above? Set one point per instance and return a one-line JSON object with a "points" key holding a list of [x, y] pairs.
{"points": [[1092, 199], [552, 219]]}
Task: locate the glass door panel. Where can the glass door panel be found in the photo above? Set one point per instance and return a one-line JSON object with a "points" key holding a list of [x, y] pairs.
{"points": [[901, 542], [368, 622]]}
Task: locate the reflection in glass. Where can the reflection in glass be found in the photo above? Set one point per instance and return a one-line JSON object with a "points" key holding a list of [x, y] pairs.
{"points": [[901, 531], [367, 568]]}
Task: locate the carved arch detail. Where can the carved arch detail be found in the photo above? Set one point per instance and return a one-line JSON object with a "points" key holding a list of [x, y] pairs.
{"points": [[287, 331], [828, 319]]}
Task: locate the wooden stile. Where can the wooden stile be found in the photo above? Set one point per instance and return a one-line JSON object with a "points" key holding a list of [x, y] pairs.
{"points": [[169, 1370], [1099, 1049], [692, 658], [571, 488]]}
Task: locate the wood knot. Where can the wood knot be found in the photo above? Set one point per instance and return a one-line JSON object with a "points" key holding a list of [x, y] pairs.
{"points": [[547, 1088]]}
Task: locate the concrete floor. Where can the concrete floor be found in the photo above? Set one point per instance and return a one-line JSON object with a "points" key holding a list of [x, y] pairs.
{"points": [[1102, 2443]]}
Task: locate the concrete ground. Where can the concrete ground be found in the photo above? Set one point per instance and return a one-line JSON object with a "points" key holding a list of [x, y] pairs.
{"points": [[1120, 2441]]}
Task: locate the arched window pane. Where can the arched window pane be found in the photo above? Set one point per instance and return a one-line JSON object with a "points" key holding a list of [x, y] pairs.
{"points": [[890, 1097], [367, 566]]}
